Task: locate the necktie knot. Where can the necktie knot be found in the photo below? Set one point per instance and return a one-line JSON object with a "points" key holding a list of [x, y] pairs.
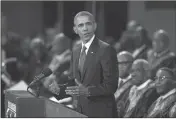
{"points": [[84, 48]]}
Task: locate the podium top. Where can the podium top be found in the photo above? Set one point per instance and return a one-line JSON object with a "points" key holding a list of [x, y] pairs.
{"points": [[21, 93]]}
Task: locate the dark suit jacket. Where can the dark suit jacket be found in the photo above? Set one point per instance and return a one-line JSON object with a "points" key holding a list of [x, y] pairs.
{"points": [[99, 76]]}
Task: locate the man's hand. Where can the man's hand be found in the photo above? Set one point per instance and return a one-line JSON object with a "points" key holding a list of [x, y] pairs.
{"points": [[54, 88], [77, 90]]}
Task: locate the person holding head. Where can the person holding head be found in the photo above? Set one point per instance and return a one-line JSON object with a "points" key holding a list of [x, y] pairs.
{"points": [[125, 60], [161, 56], [165, 86], [93, 75], [142, 92]]}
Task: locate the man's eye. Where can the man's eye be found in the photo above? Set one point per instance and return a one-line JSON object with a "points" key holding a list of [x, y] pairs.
{"points": [[89, 23], [80, 25]]}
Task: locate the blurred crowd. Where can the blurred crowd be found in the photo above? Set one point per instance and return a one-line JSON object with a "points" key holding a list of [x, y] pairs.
{"points": [[147, 68]]}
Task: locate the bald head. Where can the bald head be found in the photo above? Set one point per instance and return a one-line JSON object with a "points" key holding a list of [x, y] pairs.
{"points": [[140, 71], [132, 25], [125, 56], [84, 13], [141, 64], [160, 40]]}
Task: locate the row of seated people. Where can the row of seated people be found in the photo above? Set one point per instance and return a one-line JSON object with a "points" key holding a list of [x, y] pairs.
{"points": [[138, 95]]}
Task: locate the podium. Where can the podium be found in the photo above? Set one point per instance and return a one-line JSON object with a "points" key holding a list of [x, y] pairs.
{"points": [[22, 104]]}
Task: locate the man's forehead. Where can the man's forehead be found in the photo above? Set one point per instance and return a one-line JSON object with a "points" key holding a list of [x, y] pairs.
{"points": [[163, 73], [83, 19], [124, 58]]}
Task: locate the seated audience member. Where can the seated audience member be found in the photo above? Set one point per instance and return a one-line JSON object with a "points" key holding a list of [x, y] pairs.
{"points": [[142, 93], [172, 112], [165, 86], [161, 56], [126, 42], [143, 43], [125, 60]]}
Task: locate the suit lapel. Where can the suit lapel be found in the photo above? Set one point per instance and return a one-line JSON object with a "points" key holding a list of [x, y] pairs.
{"points": [[90, 56]]}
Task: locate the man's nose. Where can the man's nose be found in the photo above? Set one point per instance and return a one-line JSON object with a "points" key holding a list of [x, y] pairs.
{"points": [[85, 28]]}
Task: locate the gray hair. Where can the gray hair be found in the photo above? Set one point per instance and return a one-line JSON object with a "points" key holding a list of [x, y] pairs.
{"points": [[84, 13]]}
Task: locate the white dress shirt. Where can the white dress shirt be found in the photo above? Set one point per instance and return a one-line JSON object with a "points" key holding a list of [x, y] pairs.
{"points": [[87, 45]]}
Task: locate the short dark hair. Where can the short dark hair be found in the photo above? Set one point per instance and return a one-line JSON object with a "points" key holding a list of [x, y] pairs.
{"points": [[168, 70], [84, 13]]}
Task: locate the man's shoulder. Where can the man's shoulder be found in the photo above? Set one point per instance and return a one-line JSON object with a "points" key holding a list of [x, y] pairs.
{"points": [[105, 46]]}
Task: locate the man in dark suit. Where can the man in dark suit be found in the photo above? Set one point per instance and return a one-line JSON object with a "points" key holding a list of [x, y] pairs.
{"points": [[93, 70]]}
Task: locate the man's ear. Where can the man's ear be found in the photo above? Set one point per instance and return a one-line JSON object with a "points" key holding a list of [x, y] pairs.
{"points": [[75, 30], [95, 26]]}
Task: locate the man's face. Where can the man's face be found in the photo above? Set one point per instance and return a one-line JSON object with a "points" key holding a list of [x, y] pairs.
{"points": [[138, 74], [124, 66], [163, 79], [84, 27]]}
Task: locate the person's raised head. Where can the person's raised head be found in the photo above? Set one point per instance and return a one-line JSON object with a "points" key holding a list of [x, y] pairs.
{"points": [[84, 25]]}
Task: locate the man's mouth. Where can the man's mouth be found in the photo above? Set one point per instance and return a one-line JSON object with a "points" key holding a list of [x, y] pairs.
{"points": [[87, 34]]}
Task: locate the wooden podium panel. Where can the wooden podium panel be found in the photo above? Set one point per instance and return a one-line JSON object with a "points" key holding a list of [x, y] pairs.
{"points": [[22, 104]]}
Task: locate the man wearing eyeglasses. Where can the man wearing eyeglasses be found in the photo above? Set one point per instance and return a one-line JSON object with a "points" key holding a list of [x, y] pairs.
{"points": [[142, 94], [125, 60], [165, 86]]}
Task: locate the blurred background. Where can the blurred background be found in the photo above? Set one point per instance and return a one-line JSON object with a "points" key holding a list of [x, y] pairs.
{"points": [[29, 18]]}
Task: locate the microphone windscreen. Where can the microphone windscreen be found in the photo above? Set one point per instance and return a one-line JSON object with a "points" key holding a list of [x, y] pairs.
{"points": [[47, 72]]}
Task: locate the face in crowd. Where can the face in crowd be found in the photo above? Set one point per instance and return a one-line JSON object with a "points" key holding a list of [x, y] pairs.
{"points": [[125, 60], [164, 80], [140, 71]]}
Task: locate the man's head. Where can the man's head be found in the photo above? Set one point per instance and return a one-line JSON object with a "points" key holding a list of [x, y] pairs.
{"points": [[160, 41], [84, 25], [164, 80], [125, 60], [132, 25], [140, 71]]}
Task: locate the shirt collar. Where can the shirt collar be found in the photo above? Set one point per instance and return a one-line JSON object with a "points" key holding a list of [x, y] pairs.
{"points": [[87, 45], [169, 93], [162, 53], [144, 84], [125, 79]]}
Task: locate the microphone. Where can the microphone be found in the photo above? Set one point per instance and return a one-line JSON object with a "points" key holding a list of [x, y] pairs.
{"points": [[45, 73]]}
